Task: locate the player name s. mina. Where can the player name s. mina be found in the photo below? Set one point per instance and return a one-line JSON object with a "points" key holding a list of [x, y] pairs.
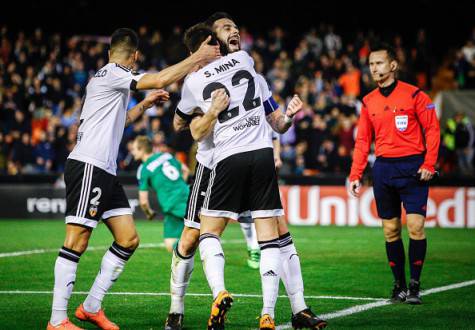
{"points": [[222, 68]]}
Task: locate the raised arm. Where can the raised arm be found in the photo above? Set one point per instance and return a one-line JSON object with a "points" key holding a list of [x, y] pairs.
{"points": [[151, 99], [281, 122], [206, 53]]}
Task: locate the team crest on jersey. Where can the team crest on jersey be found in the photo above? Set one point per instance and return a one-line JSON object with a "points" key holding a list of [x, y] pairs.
{"points": [[93, 211], [401, 122]]}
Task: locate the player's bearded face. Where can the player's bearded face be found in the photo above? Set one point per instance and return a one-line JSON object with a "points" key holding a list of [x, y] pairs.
{"points": [[228, 34]]}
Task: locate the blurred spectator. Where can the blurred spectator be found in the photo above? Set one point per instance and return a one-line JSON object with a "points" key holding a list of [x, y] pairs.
{"points": [[43, 78], [23, 159], [44, 153]]}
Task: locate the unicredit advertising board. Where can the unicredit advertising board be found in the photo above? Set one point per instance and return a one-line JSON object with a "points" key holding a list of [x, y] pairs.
{"points": [[448, 207]]}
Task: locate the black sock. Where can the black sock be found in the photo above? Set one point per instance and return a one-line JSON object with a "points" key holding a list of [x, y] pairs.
{"points": [[397, 259], [417, 254]]}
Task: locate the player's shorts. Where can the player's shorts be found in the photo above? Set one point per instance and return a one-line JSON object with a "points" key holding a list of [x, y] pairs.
{"points": [[92, 194], [241, 182], [197, 196], [172, 226], [396, 181]]}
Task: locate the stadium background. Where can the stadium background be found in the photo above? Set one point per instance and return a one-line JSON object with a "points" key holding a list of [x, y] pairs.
{"points": [[48, 50]]}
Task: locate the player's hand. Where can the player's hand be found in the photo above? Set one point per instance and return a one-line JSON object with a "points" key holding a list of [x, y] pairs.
{"points": [[425, 175], [149, 213], [354, 188], [294, 106], [155, 97], [219, 101], [206, 52], [278, 162]]}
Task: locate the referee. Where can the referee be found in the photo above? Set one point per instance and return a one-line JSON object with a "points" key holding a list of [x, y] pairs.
{"points": [[402, 121]]}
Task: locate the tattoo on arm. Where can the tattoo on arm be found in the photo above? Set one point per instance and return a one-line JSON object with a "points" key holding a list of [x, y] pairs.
{"points": [[277, 121]]}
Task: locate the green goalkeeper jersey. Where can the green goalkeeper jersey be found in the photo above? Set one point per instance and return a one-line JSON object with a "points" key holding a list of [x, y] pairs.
{"points": [[162, 173]]}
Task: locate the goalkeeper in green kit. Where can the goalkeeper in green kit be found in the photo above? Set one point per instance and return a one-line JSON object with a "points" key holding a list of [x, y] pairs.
{"points": [[166, 176]]}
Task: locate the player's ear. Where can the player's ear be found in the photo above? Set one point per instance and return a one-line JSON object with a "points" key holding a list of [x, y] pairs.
{"points": [[393, 65], [136, 55]]}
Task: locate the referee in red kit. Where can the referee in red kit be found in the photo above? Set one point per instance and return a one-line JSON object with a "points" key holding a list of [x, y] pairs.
{"points": [[402, 121]]}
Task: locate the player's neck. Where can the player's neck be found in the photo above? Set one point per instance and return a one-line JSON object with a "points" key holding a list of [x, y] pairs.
{"points": [[120, 61], [387, 82], [146, 157]]}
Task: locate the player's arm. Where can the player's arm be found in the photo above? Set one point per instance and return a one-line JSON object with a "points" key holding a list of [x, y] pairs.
{"points": [[185, 172], [180, 123], [145, 205], [279, 121], [203, 125], [364, 138], [206, 53], [427, 116], [276, 147], [151, 99]]}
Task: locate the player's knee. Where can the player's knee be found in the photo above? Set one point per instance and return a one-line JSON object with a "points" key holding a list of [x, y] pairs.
{"points": [[189, 241], [416, 231], [131, 243], [392, 232], [78, 245], [77, 238], [169, 245]]}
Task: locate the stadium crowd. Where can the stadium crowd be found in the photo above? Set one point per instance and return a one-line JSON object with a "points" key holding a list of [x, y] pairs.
{"points": [[43, 77]]}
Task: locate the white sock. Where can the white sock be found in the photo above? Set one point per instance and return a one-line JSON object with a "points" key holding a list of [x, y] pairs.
{"points": [[269, 269], [291, 273], [212, 256], [249, 231], [112, 265], [64, 279], [182, 268]]}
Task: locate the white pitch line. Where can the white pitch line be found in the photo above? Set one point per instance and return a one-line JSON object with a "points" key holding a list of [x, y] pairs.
{"points": [[239, 295], [94, 248], [365, 307]]}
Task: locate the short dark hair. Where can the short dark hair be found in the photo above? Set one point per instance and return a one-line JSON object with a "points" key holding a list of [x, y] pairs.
{"points": [[218, 15], [125, 40], [379, 46], [196, 34]]}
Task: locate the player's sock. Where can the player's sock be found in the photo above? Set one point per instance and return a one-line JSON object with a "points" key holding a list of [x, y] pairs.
{"points": [[212, 256], [64, 279], [396, 258], [417, 254], [269, 269], [291, 273], [182, 268], [112, 265], [249, 231]]}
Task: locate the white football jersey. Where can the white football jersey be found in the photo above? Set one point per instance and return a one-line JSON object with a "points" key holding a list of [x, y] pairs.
{"points": [[103, 116], [242, 126]]}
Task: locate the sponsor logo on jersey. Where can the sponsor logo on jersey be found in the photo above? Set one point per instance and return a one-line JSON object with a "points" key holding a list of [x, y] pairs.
{"points": [[430, 106], [249, 122]]}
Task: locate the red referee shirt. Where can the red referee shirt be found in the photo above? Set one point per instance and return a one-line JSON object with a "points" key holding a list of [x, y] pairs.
{"points": [[402, 123]]}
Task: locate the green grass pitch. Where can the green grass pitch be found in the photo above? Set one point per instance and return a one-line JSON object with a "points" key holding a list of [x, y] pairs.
{"points": [[336, 262]]}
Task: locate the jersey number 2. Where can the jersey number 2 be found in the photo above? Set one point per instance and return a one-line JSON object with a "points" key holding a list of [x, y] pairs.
{"points": [[250, 102]]}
